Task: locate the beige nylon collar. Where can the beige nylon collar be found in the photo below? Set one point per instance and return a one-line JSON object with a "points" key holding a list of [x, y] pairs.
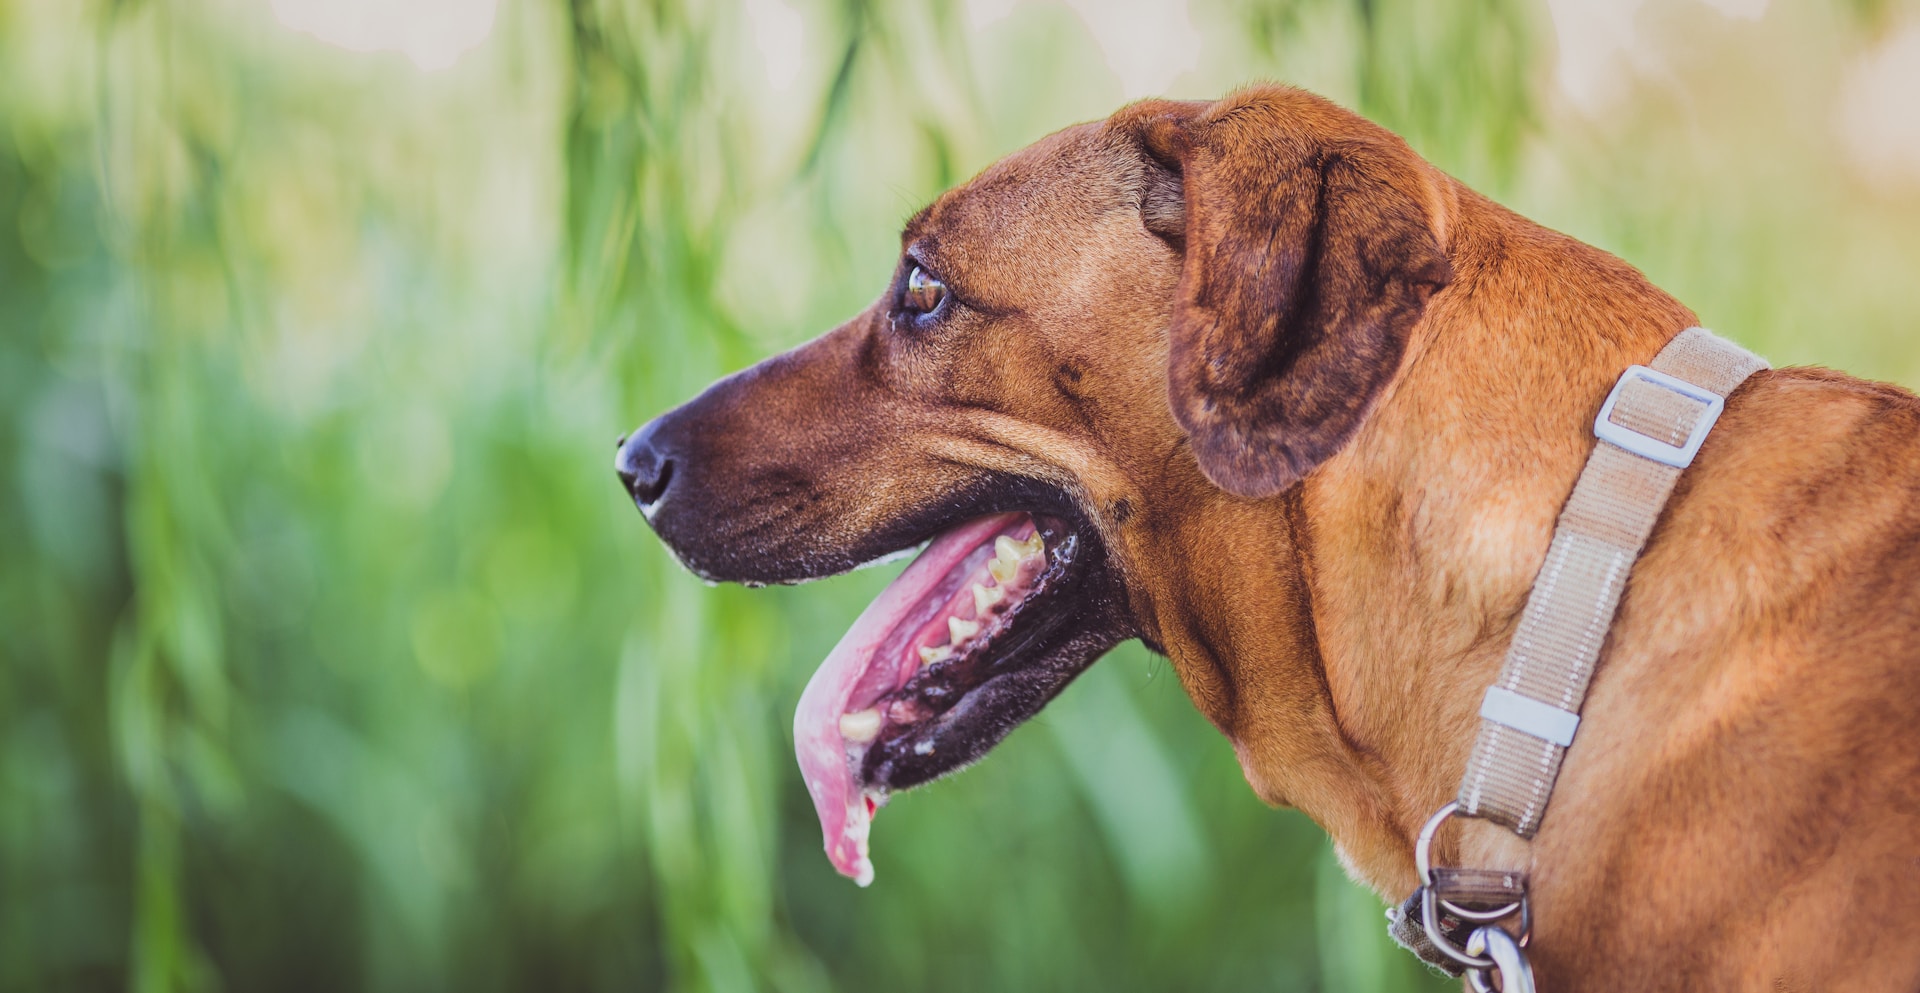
{"points": [[1648, 431]]}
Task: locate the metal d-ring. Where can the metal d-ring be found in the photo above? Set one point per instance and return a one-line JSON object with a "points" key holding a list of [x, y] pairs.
{"points": [[1480, 916], [1422, 861], [1429, 916]]}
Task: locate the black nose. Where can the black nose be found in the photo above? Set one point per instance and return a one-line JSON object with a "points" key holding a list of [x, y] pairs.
{"points": [[645, 465]]}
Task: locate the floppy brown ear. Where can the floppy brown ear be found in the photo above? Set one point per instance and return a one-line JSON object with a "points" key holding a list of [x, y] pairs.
{"points": [[1308, 259]]}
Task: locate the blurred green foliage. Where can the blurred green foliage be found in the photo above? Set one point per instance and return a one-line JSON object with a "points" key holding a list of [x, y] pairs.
{"points": [[334, 657]]}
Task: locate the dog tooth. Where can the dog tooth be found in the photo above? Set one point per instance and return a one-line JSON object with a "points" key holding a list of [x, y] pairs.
{"points": [[929, 654], [1033, 547], [1006, 549], [960, 630], [984, 598], [1003, 570], [861, 726]]}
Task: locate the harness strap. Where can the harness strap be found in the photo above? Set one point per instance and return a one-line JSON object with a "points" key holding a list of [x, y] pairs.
{"points": [[1649, 429]]}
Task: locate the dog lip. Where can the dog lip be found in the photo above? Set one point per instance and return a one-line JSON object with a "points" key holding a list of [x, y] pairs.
{"points": [[769, 543]]}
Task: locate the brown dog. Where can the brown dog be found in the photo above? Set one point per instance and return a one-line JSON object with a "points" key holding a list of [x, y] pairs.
{"points": [[1300, 411]]}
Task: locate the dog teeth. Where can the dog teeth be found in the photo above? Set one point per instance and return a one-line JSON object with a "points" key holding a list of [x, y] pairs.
{"points": [[959, 631], [861, 726], [984, 598], [929, 654], [1009, 555]]}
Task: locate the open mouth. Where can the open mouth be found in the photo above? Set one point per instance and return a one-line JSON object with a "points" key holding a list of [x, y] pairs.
{"points": [[990, 622]]}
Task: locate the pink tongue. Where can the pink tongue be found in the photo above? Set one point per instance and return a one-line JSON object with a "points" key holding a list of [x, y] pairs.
{"points": [[817, 742]]}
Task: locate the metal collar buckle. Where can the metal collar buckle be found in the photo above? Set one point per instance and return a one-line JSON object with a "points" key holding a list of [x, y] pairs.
{"points": [[1490, 951]]}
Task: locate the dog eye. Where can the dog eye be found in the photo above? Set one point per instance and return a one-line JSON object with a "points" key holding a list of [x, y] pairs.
{"points": [[924, 294]]}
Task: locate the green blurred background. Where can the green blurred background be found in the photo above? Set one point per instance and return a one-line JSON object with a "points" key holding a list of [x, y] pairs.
{"points": [[333, 658]]}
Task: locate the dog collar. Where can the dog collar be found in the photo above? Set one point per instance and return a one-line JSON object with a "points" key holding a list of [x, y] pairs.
{"points": [[1648, 430]]}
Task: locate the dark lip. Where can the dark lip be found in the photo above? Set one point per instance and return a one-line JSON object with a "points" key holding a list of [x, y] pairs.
{"points": [[781, 552], [966, 706]]}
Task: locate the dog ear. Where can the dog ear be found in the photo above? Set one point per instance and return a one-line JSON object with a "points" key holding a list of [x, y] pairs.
{"points": [[1307, 263]]}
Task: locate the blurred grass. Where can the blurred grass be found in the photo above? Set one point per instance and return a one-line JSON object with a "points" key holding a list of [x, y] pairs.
{"points": [[336, 660]]}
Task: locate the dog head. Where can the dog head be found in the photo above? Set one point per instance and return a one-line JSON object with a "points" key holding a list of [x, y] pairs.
{"points": [[1130, 325]]}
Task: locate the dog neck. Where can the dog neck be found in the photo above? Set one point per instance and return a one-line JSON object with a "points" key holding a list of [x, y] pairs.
{"points": [[1342, 635]]}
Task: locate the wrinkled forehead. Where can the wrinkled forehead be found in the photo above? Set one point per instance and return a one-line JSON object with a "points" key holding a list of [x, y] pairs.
{"points": [[1031, 217]]}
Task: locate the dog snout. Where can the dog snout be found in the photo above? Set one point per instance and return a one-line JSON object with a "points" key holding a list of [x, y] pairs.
{"points": [[646, 463]]}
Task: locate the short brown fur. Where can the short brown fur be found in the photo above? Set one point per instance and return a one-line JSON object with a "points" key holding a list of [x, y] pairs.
{"points": [[1324, 404]]}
